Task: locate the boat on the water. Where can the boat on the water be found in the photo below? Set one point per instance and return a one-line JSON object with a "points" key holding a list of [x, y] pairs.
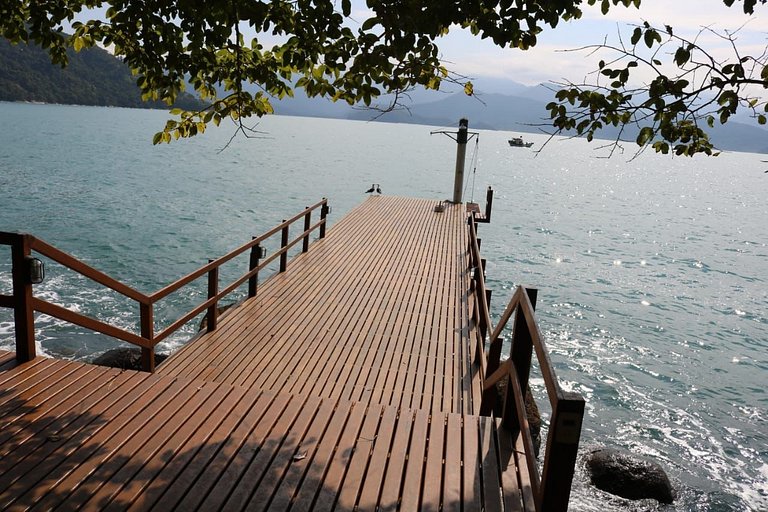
{"points": [[517, 142]]}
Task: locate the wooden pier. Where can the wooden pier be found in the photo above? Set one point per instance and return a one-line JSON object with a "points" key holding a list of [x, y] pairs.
{"points": [[364, 375]]}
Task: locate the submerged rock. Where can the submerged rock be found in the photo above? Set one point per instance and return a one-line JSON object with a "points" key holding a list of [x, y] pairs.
{"points": [[124, 358], [534, 420], [531, 411], [628, 475]]}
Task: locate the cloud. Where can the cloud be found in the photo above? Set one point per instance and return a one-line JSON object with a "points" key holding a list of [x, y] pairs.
{"points": [[547, 61], [688, 15]]}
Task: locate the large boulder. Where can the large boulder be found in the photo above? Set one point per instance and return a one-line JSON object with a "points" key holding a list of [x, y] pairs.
{"points": [[124, 358], [628, 475]]}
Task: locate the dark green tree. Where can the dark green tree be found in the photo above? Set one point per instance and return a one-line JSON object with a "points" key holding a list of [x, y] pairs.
{"points": [[170, 44]]}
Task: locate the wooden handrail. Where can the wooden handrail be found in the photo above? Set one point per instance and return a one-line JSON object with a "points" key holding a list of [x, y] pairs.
{"points": [[554, 391], [89, 323], [551, 487], [179, 283], [24, 303], [480, 295], [86, 270]]}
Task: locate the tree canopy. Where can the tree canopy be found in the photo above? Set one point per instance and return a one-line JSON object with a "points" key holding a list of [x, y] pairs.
{"points": [[316, 45]]}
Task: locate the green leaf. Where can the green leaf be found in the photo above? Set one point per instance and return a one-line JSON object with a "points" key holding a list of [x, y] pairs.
{"points": [[649, 37], [636, 35], [645, 135], [346, 7], [369, 24], [682, 56], [469, 89]]}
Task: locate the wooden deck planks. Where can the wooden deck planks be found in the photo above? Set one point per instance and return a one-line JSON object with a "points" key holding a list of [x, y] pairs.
{"points": [[372, 313], [348, 383], [7, 360], [148, 442]]}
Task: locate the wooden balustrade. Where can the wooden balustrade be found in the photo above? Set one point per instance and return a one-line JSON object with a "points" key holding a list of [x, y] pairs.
{"points": [[551, 489], [25, 304]]}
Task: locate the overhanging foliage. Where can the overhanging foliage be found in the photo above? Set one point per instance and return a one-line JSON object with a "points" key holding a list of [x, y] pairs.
{"points": [[172, 44]]}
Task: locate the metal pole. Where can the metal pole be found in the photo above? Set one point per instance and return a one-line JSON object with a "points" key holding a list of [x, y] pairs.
{"points": [[461, 153]]}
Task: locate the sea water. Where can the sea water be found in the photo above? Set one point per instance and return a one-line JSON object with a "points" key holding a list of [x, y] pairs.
{"points": [[651, 271]]}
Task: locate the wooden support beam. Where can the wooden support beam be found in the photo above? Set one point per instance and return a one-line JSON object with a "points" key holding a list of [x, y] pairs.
{"points": [[213, 290], [23, 313], [146, 311], [307, 225], [562, 447]]}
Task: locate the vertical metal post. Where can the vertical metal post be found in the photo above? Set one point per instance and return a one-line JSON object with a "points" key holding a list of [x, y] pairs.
{"points": [[323, 215], [213, 290], [283, 244], [461, 153], [23, 314], [307, 224], [522, 344], [488, 204], [562, 447], [253, 281], [147, 332]]}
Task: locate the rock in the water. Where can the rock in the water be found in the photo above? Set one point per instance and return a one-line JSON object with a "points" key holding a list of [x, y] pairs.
{"points": [[629, 476], [531, 411], [124, 358], [534, 420]]}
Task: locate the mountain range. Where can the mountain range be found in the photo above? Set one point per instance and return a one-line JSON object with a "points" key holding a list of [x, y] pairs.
{"points": [[96, 77], [502, 105], [93, 77]]}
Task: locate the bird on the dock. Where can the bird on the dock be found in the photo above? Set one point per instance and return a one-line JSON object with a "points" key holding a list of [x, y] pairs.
{"points": [[378, 189], [370, 190]]}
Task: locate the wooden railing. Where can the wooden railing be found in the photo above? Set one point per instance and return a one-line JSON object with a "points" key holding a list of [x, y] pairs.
{"points": [[24, 303], [550, 489]]}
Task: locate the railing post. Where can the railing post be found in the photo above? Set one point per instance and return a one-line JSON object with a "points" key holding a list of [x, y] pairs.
{"points": [[253, 281], [307, 224], [283, 244], [488, 294], [147, 332], [522, 344], [23, 314], [562, 447], [213, 290], [494, 355], [488, 204], [323, 215]]}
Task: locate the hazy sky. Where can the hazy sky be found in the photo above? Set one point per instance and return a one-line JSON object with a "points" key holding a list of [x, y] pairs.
{"points": [[471, 56]]}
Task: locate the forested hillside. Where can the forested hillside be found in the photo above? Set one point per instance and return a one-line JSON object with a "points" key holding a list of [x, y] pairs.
{"points": [[93, 77]]}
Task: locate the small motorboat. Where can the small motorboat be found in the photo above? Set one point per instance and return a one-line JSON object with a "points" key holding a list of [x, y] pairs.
{"points": [[517, 142]]}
